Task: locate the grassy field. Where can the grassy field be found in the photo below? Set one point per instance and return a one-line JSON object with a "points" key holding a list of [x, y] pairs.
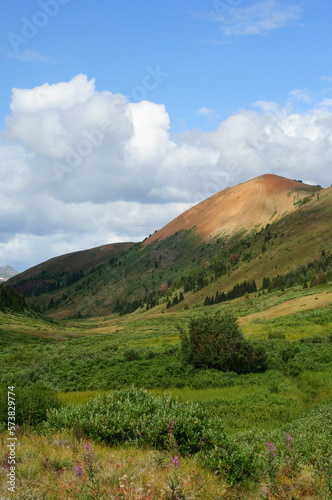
{"points": [[81, 359]]}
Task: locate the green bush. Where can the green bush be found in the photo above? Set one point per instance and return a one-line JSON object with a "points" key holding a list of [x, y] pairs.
{"points": [[134, 416], [237, 462], [31, 404], [217, 341], [313, 353]]}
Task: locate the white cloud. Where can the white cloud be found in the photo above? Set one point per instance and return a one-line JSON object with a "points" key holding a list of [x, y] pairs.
{"points": [[326, 102], [300, 95], [61, 95], [259, 18], [211, 115], [204, 111], [82, 168], [30, 56], [266, 106]]}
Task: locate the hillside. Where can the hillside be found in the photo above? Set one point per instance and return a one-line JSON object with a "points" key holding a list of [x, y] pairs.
{"points": [[72, 262], [271, 226], [245, 207]]}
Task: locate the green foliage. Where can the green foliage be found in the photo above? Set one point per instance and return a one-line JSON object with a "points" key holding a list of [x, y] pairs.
{"points": [[217, 342], [236, 462], [238, 290], [135, 416], [31, 404], [304, 200], [312, 353], [316, 273], [10, 300]]}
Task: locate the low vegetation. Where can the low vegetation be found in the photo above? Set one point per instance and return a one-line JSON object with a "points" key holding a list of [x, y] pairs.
{"points": [[263, 432], [162, 396]]}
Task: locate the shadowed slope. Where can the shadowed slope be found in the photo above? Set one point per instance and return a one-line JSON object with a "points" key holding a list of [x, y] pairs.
{"points": [[83, 259]]}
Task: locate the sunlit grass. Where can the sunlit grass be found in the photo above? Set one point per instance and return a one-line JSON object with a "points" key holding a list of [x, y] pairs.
{"points": [[78, 397], [263, 401], [46, 469]]}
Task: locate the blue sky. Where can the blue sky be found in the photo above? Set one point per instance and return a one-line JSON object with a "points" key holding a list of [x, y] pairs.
{"points": [[200, 95]]}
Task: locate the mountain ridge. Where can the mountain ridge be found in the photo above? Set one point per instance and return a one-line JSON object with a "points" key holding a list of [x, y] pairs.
{"points": [[246, 206], [124, 277]]}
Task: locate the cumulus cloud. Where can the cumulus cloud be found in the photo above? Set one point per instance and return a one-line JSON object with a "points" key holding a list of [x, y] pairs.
{"points": [[82, 168], [60, 95]]}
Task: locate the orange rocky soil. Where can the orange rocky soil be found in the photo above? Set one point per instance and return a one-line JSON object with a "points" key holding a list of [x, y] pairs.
{"points": [[246, 206]]}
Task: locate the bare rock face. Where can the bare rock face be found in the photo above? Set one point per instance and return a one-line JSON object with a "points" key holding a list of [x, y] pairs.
{"points": [[247, 206]]}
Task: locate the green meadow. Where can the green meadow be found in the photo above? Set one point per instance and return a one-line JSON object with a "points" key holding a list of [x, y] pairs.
{"points": [[120, 381]]}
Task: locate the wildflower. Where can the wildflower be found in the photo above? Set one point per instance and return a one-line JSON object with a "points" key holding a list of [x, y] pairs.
{"points": [[79, 470], [175, 462], [88, 454], [270, 450], [289, 438]]}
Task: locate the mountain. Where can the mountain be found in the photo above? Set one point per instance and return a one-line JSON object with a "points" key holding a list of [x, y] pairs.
{"points": [[245, 207], [84, 260], [260, 229], [7, 272]]}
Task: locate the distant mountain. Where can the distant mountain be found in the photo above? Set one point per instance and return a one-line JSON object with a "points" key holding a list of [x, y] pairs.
{"points": [[7, 272], [263, 228]]}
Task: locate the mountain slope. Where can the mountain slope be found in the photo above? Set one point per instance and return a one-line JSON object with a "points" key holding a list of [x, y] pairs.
{"points": [[72, 262], [245, 207], [145, 275]]}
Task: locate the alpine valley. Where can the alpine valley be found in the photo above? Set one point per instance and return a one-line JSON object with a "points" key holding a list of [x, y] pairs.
{"points": [[194, 364]]}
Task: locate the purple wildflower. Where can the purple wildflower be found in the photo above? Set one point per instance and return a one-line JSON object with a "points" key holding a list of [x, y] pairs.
{"points": [[175, 462], [79, 470], [270, 449], [88, 454], [289, 438]]}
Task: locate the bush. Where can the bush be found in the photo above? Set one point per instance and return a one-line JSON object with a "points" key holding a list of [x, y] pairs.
{"points": [[313, 353], [217, 342], [237, 462], [134, 416], [131, 355], [31, 404]]}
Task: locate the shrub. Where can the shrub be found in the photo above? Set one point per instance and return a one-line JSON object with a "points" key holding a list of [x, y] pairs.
{"points": [[31, 404], [131, 355], [236, 461], [217, 342], [134, 416]]}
